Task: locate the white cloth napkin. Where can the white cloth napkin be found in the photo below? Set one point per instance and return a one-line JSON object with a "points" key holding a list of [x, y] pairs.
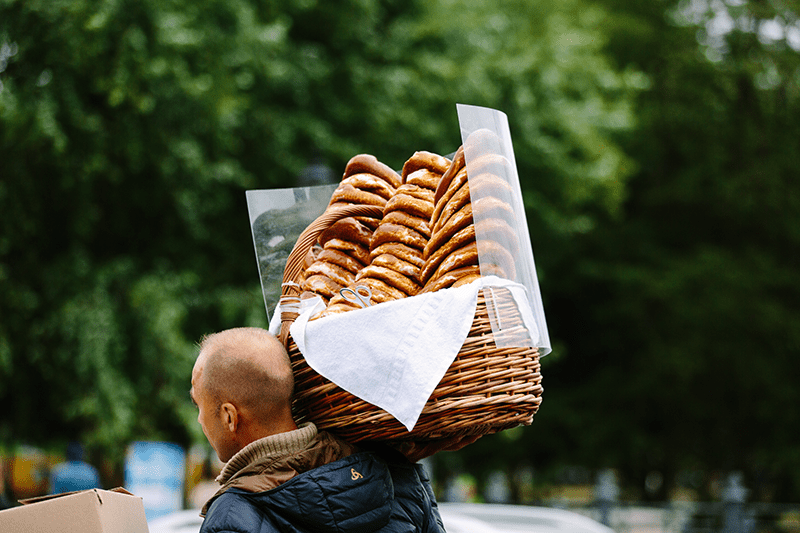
{"points": [[394, 354]]}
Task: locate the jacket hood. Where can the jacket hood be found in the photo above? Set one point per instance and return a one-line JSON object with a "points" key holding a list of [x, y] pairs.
{"points": [[354, 494]]}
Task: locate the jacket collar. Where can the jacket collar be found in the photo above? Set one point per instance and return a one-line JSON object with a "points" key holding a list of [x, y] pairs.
{"points": [[267, 463], [271, 447]]}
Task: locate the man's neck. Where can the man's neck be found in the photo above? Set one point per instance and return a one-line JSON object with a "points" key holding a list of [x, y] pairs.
{"points": [[272, 445], [253, 432]]}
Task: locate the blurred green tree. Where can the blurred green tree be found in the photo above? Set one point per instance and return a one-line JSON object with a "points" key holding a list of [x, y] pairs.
{"points": [[129, 132], [679, 317]]}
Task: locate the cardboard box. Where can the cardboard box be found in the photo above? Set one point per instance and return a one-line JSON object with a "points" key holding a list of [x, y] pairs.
{"points": [[88, 511]]}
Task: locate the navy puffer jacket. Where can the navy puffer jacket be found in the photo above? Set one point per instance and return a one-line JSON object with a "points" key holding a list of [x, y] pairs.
{"points": [[364, 492]]}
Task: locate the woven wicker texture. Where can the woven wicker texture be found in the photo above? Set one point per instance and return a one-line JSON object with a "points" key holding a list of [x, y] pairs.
{"points": [[485, 390]]}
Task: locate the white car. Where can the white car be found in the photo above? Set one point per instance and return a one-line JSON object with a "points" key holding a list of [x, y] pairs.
{"points": [[466, 517], [457, 518]]}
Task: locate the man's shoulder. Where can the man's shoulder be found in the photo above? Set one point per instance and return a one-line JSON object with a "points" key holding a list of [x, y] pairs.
{"points": [[358, 491], [231, 511], [360, 469]]}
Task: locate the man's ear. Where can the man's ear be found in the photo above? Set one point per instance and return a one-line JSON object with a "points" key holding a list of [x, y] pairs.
{"points": [[230, 416]]}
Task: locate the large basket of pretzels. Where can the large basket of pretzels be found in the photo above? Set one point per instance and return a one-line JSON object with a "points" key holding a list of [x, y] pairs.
{"points": [[398, 235]]}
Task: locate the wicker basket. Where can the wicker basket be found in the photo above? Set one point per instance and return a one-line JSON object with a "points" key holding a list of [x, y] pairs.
{"points": [[487, 389]]}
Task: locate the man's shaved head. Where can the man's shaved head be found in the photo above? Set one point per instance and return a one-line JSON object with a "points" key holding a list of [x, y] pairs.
{"points": [[247, 367]]}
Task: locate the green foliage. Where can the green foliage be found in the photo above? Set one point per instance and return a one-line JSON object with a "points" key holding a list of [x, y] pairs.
{"points": [[658, 170], [129, 132], [543, 64], [679, 316]]}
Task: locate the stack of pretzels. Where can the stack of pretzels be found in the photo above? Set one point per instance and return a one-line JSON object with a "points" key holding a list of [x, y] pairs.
{"points": [[430, 234], [344, 248], [462, 230]]}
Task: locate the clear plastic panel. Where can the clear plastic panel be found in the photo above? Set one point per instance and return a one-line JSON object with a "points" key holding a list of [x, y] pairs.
{"points": [[277, 218], [501, 228]]}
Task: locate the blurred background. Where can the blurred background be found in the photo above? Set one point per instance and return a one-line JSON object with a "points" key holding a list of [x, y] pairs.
{"points": [[658, 148]]}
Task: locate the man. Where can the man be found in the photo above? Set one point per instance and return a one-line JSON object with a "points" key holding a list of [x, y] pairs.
{"points": [[281, 477]]}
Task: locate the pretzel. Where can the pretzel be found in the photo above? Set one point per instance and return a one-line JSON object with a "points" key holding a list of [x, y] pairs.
{"points": [[464, 256], [308, 260], [337, 304], [410, 221], [370, 183], [390, 277], [455, 185], [460, 219], [466, 279], [487, 185], [455, 166], [347, 194], [498, 230], [491, 207], [393, 262], [334, 272], [401, 251], [382, 291], [356, 251], [409, 204], [427, 160], [424, 178], [365, 163], [348, 229], [450, 278], [456, 202], [340, 258], [387, 233], [481, 142], [492, 257], [494, 254], [340, 306], [490, 163], [459, 239], [321, 285]]}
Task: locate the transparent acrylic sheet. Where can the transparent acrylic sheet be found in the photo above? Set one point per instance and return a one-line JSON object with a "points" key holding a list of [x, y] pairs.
{"points": [[502, 237], [277, 218]]}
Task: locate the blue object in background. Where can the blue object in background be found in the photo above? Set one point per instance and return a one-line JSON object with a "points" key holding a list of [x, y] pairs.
{"points": [[73, 474], [154, 471]]}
